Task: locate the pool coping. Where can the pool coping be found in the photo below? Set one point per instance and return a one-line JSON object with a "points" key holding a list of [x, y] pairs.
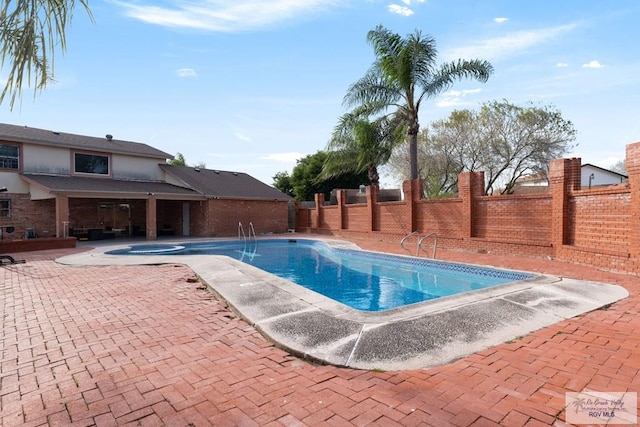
{"points": [[420, 335]]}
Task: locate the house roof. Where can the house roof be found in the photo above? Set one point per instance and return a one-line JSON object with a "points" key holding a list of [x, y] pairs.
{"points": [[75, 184], [14, 133], [224, 184], [605, 170]]}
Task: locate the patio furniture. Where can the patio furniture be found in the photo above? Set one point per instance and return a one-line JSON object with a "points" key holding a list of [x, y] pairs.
{"points": [[8, 260]]}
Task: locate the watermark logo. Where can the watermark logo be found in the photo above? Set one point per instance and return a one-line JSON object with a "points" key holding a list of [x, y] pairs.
{"points": [[593, 407]]}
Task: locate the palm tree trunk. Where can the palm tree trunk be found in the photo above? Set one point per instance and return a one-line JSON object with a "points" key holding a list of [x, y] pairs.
{"points": [[413, 155]]}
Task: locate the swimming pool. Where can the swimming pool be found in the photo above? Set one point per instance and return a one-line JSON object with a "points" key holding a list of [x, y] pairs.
{"points": [[366, 281]]}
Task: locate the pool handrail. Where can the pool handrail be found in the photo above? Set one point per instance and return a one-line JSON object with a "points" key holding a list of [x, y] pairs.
{"points": [[413, 233], [252, 230], [435, 243]]}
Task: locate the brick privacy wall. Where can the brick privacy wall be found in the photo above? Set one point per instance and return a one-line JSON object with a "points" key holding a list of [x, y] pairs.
{"points": [[601, 219], [267, 216], [443, 217], [598, 227], [525, 219], [356, 218], [29, 214], [331, 219], [392, 217]]}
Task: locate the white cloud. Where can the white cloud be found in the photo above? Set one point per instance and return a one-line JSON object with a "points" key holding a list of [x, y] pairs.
{"points": [[562, 65], [593, 64], [453, 98], [290, 157], [223, 15], [187, 72], [512, 43], [400, 10], [500, 20], [242, 137]]}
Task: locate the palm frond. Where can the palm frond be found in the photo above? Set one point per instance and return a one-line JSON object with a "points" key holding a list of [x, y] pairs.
{"points": [[30, 34]]}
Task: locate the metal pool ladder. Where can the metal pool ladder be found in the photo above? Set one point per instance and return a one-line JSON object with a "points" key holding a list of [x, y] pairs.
{"points": [[247, 239], [241, 234], [422, 239], [415, 233], [252, 230]]}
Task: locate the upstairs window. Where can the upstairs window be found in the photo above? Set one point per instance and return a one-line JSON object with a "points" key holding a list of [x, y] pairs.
{"points": [[94, 164], [5, 208], [9, 157]]}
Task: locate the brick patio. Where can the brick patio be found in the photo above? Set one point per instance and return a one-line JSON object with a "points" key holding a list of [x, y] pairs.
{"points": [[150, 346]]}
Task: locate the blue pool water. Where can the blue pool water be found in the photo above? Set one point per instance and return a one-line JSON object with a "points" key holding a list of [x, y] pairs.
{"points": [[365, 281]]}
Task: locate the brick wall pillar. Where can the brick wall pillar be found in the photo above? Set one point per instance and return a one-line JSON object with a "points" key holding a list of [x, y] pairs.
{"points": [[62, 216], [470, 186], [372, 200], [316, 220], [633, 171], [412, 190], [564, 177], [341, 197], [152, 221]]}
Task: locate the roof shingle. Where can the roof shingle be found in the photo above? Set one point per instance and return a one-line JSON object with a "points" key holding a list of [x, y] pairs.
{"points": [[68, 184], [216, 183], [14, 133]]}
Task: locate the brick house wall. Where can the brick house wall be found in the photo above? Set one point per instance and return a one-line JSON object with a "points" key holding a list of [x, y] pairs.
{"points": [[267, 216], [598, 226], [27, 214]]}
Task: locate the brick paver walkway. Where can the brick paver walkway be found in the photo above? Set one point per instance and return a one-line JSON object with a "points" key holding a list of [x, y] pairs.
{"points": [[149, 346]]}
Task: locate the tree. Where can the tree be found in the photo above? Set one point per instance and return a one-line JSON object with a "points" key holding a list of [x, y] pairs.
{"points": [[437, 165], [358, 146], [403, 75], [179, 160], [30, 33], [282, 181], [620, 166], [505, 141], [305, 183]]}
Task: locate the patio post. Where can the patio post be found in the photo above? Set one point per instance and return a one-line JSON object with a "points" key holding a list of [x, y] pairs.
{"points": [[152, 221], [62, 216]]}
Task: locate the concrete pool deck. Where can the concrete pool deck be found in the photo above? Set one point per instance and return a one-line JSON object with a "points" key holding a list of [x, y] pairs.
{"points": [[422, 335]]}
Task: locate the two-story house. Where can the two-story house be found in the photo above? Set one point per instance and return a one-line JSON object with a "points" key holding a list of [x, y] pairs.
{"points": [[59, 184]]}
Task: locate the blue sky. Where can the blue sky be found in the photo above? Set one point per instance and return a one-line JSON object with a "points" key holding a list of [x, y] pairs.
{"points": [[252, 86]]}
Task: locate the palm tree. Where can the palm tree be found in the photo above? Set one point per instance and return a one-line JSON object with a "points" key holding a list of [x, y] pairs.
{"points": [[403, 75], [358, 145], [30, 32]]}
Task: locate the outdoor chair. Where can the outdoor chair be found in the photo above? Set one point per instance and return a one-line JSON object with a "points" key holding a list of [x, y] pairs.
{"points": [[8, 260]]}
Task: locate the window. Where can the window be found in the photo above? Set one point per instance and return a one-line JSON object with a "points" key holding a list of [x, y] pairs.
{"points": [[5, 208], [9, 156], [91, 163]]}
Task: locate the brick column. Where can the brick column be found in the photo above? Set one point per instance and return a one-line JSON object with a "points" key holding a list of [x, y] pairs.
{"points": [[470, 186], [152, 221], [317, 219], [633, 171], [564, 177], [62, 216], [341, 198], [412, 190], [372, 200]]}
